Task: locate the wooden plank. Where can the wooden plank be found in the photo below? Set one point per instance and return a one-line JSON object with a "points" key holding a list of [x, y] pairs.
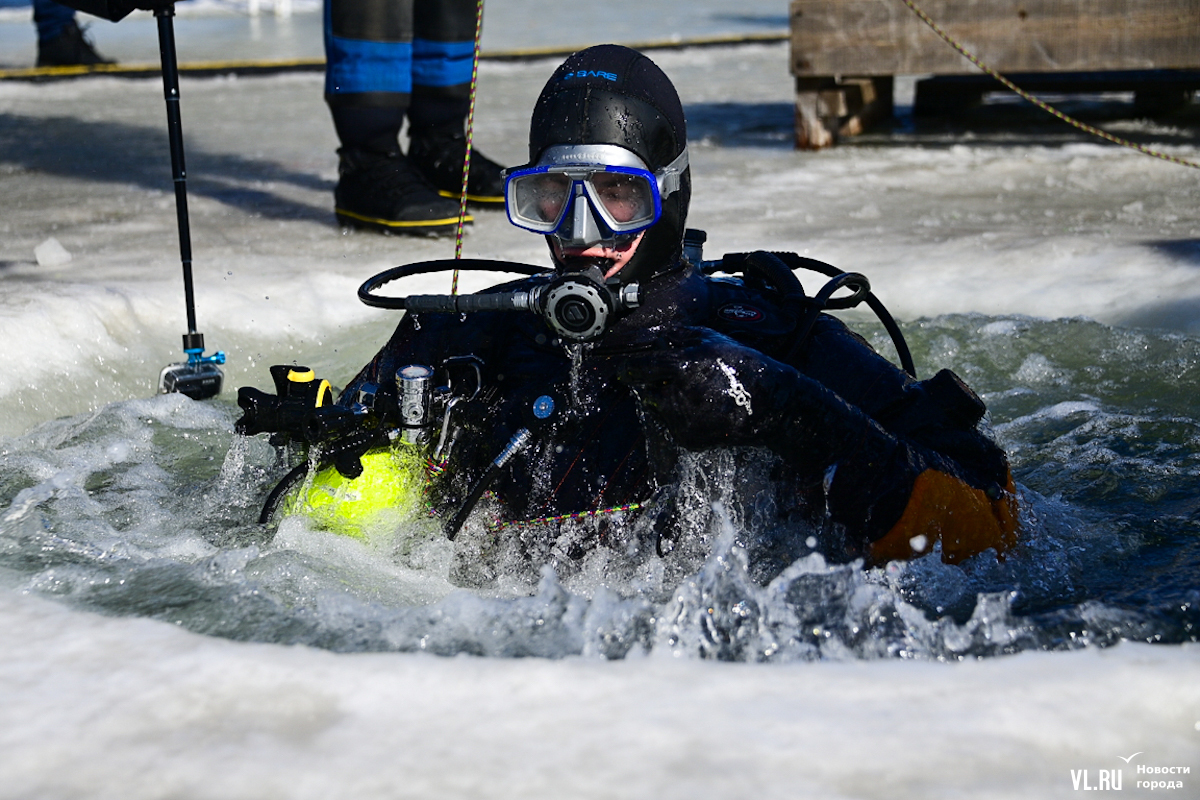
{"points": [[817, 107], [884, 37], [868, 100], [828, 109]]}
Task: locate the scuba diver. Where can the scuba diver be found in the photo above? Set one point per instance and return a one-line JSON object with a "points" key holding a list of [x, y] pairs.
{"points": [[643, 358]]}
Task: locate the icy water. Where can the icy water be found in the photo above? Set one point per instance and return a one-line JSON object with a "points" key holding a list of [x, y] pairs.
{"points": [[158, 643], [149, 507]]}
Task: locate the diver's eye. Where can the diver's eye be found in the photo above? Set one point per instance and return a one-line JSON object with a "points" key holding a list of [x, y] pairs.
{"points": [[548, 194], [626, 197]]}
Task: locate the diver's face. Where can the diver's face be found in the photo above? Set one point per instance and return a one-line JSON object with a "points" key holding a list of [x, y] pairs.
{"points": [[618, 254]]}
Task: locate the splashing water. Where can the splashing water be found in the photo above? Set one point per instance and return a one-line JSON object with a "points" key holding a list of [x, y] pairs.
{"points": [[148, 508]]}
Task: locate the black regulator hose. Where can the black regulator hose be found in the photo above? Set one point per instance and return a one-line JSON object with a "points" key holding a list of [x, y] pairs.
{"points": [[444, 303], [518, 443], [776, 268], [540, 413], [294, 477], [858, 284], [773, 266], [868, 297]]}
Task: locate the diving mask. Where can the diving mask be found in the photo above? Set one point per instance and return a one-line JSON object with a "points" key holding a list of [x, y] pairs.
{"points": [[588, 194]]}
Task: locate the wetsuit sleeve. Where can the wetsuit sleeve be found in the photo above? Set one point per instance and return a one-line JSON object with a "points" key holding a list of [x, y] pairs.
{"points": [[893, 491]]}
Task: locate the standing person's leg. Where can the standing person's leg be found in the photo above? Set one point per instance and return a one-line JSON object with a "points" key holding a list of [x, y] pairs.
{"points": [[61, 42], [443, 53], [368, 86]]}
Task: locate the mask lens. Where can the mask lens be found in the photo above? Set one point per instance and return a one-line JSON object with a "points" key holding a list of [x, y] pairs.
{"points": [[539, 198], [627, 198]]}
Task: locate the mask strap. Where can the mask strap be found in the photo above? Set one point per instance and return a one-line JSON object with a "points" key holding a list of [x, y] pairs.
{"points": [[670, 177]]}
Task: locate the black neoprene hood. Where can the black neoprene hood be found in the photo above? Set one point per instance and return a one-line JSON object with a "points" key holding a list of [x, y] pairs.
{"points": [[611, 94]]}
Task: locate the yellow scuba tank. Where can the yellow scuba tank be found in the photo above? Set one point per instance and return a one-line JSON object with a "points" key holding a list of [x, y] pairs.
{"points": [[390, 490], [371, 467]]}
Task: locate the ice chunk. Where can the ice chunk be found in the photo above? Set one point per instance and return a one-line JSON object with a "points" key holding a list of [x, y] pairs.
{"points": [[51, 253]]}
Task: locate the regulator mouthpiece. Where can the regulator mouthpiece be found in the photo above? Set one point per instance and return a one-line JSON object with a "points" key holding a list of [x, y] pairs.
{"points": [[579, 306]]}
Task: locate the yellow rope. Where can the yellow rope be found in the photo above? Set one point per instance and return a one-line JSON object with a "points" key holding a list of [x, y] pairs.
{"points": [[462, 195], [1047, 108], [253, 66]]}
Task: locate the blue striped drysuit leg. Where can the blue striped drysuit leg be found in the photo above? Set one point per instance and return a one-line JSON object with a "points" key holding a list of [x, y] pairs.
{"points": [[380, 53], [443, 48], [368, 53]]}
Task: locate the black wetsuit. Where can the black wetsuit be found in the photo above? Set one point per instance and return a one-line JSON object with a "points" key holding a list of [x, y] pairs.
{"points": [[876, 428]]}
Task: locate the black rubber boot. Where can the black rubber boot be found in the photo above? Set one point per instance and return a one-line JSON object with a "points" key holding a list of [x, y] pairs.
{"points": [[69, 49], [384, 192], [438, 152]]}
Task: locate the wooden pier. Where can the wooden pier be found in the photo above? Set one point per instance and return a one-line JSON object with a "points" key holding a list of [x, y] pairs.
{"points": [[845, 54]]}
